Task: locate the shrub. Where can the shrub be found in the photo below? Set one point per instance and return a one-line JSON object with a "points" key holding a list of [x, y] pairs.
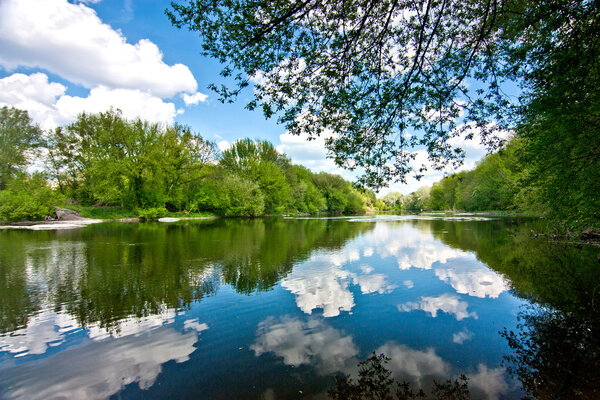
{"points": [[151, 213], [28, 198]]}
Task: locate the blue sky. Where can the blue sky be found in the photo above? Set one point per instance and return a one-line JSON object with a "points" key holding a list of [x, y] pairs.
{"points": [[61, 57]]}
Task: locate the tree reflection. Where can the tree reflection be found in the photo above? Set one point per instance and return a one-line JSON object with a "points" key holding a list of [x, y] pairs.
{"points": [[556, 355], [556, 347], [107, 272]]}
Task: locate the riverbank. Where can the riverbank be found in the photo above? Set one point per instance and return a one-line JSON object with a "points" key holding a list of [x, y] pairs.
{"points": [[80, 216]]}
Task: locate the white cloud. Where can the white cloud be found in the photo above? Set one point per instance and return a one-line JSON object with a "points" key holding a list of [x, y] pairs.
{"points": [[98, 370], [367, 269], [310, 153], [375, 283], [194, 98], [473, 278], [448, 303], [43, 330], [133, 103], [223, 145], [490, 382], [412, 247], [195, 325], [414, 363], [320, 283], [71, 41], [312, 342], [409, 284], [48, 105], [132, 326], [462, 336]]}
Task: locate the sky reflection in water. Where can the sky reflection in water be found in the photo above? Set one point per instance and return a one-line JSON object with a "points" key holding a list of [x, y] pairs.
{"points": [[244, 309]]}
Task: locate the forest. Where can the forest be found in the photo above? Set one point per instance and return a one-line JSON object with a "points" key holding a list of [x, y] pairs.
{"points": [[149, 170]]}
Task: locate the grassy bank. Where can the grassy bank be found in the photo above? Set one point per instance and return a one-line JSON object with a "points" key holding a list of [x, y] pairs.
{"points": [[123, 213]]}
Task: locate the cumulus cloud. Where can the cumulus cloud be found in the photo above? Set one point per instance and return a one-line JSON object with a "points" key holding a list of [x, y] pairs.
{"points": [[375, 283], [491, 383], [310, 153], [223, 145], [473, 278], [71, 41], [133, 103], [448, 303], [320, 284], [416, 364], [411, 247], [49, 106], [100, 369], [309, 342], [193, 99], [43, 330], [462, 336]]}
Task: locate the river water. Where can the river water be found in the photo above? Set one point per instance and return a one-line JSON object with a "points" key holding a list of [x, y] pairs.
{"points": [[275, 308]]}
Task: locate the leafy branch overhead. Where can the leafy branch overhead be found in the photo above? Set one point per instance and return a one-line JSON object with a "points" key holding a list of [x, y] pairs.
{"points": [[383, 78]]}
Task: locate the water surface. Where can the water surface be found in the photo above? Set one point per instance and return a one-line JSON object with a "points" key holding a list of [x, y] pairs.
{"points": [[275, 308]]}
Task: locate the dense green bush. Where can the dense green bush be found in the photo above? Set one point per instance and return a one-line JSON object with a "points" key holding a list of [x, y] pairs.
{"points": [[28, 198], [151, 213]]}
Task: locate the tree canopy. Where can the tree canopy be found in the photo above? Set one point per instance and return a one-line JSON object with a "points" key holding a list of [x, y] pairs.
{"points": [[19, 135], [383, 78]]}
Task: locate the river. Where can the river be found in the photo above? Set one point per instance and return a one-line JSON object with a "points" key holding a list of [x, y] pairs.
{"points": [[275, 308]]}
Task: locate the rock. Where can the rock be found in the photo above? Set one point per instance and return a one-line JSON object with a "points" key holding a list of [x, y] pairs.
{"points": [[64, 214]]}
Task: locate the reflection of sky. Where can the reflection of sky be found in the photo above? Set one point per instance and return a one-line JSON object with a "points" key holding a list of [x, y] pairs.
{"points": [[322, 282], [101, 369], [417, 365], [131, 352], [448, 303], [472, 278], [311, 342], [43, 330]]}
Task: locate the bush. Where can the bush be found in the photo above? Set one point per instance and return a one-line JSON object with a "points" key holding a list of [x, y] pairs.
{"points": [[151, 213], [28, 198]]}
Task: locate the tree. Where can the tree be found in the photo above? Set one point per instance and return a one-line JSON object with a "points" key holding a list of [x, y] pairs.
{"points": [[18, 137], [390, 76], [371, 71], [258, 161]]}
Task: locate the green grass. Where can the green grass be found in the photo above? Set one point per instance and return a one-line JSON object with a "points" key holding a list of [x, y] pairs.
{"points": [[120, 213], [102, 212]]}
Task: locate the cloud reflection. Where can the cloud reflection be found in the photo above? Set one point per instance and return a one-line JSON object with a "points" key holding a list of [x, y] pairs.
{"points": [[311, 342], [100, 369], [448, 303], [321, 282], [473, 278], [488, 383], [416, 364]]}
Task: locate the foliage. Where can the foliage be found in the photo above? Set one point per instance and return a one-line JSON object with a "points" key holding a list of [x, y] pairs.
{"points": [[329, 66], [392, 77], [151, 213], [19, 136], [498, 182], [376, 382], [28, 198], [104, 158], [340, 196]]}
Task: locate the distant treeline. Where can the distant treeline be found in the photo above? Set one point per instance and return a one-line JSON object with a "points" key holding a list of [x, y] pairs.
{"points": [[106, 160], [515, 180], [496, 183]]}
